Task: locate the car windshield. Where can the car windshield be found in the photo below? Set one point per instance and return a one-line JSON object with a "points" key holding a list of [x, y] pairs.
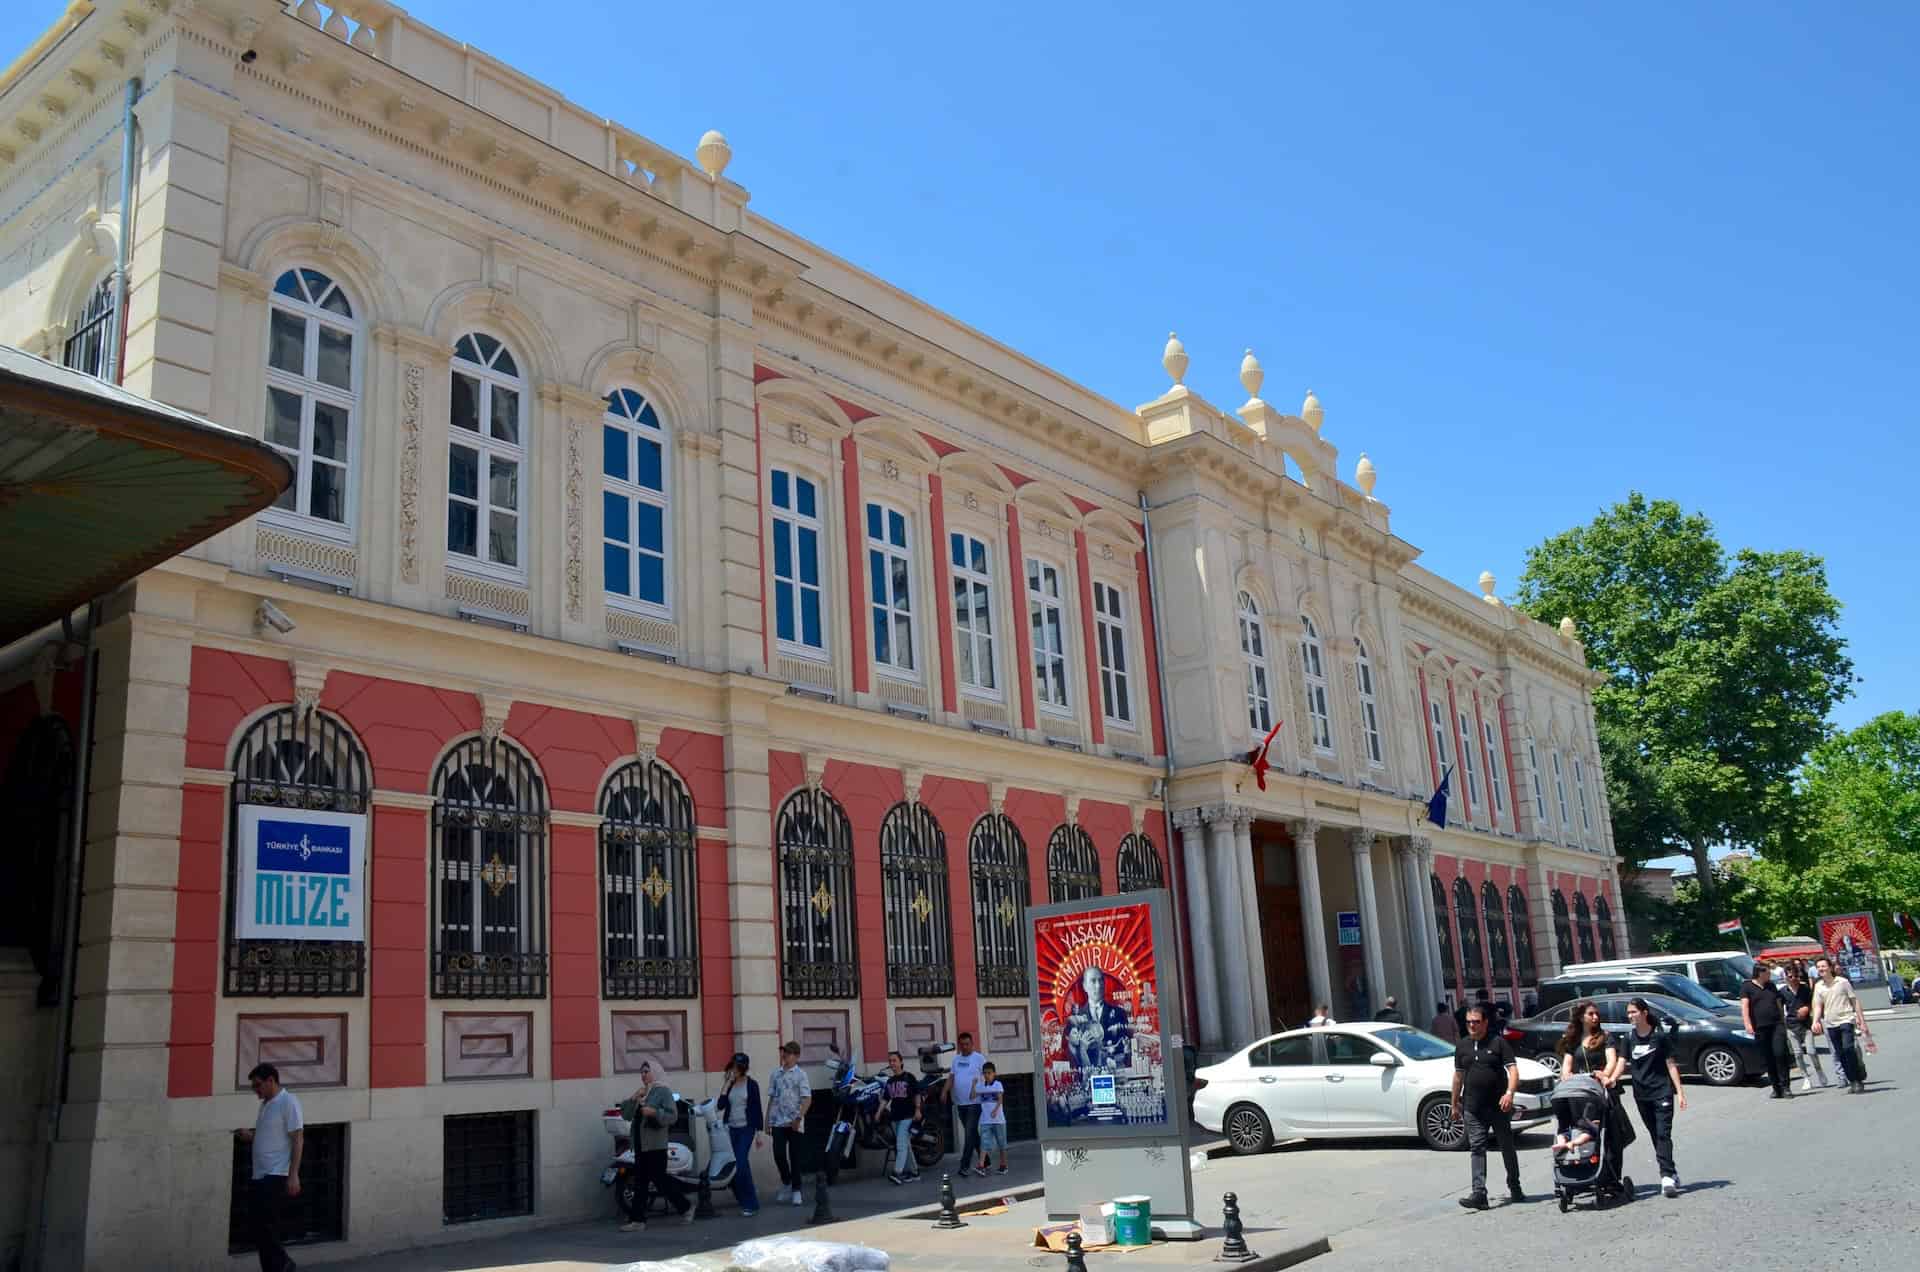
{"points": [[1690, 991], [1415, 1044], [1681, 1011]]}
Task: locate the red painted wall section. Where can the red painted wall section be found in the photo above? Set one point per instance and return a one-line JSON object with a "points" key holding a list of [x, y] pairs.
{"points": [[1022, 635], [227, 688], [942, 608], [701, 761], [397, 950], [1108, 824], [1035, 814], [867, 793], [716, 963], [957, 805], [196, 941], [856, 573], [403, 726], [574, 942], [1143, 585], [1095, 711], [572, 749]]}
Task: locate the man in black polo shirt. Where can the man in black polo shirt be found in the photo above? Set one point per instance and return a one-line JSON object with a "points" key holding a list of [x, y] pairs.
{"points": [[1486, 1074], [1760, 1012]]}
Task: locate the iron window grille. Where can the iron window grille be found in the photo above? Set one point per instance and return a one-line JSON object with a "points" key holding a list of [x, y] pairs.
{"points": [[1562, 929], [1583, 926], [487, 1170], [649, 891], [1073, 865], [1138, 866], [997, 861], [1604, 913], [819, 951], [1472, 966], [1497, 953], [296, 759], [489, 868], [39, 798], [86, 348], [919, 918], [1445, 927], [318, 1214], [1522, 933]]}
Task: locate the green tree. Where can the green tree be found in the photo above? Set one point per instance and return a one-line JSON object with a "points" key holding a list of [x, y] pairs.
{"points": [[1721, 670]]}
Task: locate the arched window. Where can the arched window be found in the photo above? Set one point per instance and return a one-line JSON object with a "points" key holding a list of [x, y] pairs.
{"points": [[997, 862], [1583, 926], [1604, 913], [1522, 934], [1437, 719], [1562, 929], [93, 328], [1444, 925], [1253, 657], [1539, 796], [1560, 794], [313, 394], [819, 956], [1313, 666], [1073, 866], [39, 800], [486, 457], [1580, 791], [1472, 966], [297, 759], [635, 525], [1497, 955], [649, 886], [1467, 765], [489, 873], [1495, 785], [1369, 705], [890, 578], [1138, 866], [913, 891]]}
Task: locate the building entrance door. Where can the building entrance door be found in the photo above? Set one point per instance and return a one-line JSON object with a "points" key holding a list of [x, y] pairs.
{"points": [[1282, 945]]}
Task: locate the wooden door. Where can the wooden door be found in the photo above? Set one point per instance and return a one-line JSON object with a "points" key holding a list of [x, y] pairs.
{"points": [[1282, 941]]}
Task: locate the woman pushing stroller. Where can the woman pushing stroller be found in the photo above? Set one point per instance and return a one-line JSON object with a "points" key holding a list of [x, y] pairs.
{"points": [[1587, 1049]]}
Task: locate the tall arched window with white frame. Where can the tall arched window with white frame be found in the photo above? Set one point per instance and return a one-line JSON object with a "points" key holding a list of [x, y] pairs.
{"points": [[973, 630], [1369, 705], [1437, 729], [1313, 666], [313, 395], [1560, 793], [486, 458], [1046, 609], [1253, 656], [1580, 794], [890, 576], [635, 520], [1495, 786], [1468, 768], [1110, 629], [799, 607], [1539, 793], [86, 349]]}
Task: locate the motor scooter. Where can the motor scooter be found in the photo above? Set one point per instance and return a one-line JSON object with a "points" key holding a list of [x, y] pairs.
{"points": [[862, 1120], [696, 1142]]}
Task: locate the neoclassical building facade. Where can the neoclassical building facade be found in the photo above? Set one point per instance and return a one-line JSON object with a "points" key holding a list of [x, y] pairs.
{"points": [[721, 645]]}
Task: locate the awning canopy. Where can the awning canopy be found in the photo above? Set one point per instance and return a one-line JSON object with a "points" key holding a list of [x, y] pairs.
{"points": [[98, 485]]}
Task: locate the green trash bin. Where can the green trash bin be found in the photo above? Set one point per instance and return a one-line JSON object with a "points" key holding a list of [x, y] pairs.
{"points": [[1133, 1221]]}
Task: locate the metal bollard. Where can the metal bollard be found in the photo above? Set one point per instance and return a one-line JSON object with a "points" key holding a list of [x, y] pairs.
{"points": [[1076, 1257], [821, 1212], [1234, 1248], [703, 1207], [949, 1216]]}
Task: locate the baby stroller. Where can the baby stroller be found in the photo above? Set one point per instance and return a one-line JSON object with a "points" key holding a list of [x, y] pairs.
{"points": [[1581, 1103]]}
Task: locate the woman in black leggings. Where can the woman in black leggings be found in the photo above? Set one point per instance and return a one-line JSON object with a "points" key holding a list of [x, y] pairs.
{"points": [[1656, 1086], [1587, 1048]]}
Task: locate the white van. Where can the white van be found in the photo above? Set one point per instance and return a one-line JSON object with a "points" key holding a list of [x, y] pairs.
{"points": [[1719, 974]]}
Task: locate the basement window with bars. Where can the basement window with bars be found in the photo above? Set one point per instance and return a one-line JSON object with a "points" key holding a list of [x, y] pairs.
{"points": [[913, 889], [487, 1166], [648, 886], [997, 864], [489, 867], [318, 1214]]}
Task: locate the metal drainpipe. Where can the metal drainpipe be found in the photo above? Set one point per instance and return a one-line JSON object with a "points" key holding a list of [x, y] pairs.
{"points": [[117, 347], [55, 1093], [1185, 936]]}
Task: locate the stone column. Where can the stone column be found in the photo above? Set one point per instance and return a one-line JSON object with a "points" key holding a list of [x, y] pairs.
{"points": [[1370, 934], [1200, 923], [1249, 888], [1413, 889], [1313, 927], [1229, 919], [1423, 856], [1620, 935]]}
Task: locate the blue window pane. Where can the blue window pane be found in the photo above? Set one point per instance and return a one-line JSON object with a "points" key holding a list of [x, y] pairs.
{"points": [[653, 580], [873, 521], [783, 610], [646, 415], [958, 546], [613, 447], [810, 619], [649, 527], [782, 550], [882, 629], [897, 529], [619, 576], [979, 555], [613, 509], [804, 498], [781, 497], [810, 556], [877, 576], [648, 464]]}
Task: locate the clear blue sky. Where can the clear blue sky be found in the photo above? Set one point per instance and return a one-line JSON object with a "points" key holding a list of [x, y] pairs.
{"points": [[1530, 258]]}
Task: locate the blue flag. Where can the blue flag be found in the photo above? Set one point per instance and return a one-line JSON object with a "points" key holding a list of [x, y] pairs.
{"points": [[1437, 806]]}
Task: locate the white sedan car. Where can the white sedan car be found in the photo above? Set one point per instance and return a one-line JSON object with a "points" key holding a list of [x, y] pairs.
{"points": [[1347, 1082]]}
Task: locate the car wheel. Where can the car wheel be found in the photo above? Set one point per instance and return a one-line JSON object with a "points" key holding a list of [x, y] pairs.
{"points": [[1437, 1127], [1247, 1130], [1721, 1067]]}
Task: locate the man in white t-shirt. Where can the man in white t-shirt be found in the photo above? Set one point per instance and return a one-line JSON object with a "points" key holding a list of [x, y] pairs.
{"points": [[278, 1137], [966, 1102], [1837, 1013]]}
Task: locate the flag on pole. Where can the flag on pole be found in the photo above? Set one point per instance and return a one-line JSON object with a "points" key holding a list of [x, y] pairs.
{"points": [[1258, 756], [1908, 924], [1729, 925], [1437, 806]]}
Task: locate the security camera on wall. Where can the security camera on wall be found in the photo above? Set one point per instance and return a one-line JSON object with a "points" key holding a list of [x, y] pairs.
{"points": [[269, 615]]}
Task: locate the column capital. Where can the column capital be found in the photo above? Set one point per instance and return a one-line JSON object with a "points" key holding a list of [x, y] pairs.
{"points": [[1362, 838], [1422, 846], [1212, 813], [1242, 815], [1303, 829], [1187, 819]]}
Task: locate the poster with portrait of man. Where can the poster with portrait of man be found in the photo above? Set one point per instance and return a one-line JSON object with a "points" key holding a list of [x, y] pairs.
{"points": [[1853, 942], [1099, 988]]}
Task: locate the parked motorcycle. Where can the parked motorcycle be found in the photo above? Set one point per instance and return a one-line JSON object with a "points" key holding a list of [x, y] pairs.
{"points": [[862, 1120]]}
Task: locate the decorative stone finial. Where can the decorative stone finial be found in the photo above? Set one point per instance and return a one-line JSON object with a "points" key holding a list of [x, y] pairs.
{"points": [[1568, 630], [713, 152], [1486, 588], [1364, 475], [1174, 358], [1310, 412], [1251, 376]]}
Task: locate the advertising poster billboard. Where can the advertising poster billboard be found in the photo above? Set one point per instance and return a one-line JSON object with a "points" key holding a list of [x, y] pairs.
{"points": [[1102, 1049], [1853, 942], [302, 875]]}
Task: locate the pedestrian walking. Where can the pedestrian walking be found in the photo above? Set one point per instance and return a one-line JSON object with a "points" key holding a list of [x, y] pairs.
{"points": [[654, 1113], [1797, 999], [741, 1110], [1837, 1013], [967, 1067], [902, 1091], [1443, 1025], [278, 1138], [993, 1116], [1391, 1012], [789, 1096], [1486, 1074], [1656, 1087], [1761, 1012], [1587, 1048]]}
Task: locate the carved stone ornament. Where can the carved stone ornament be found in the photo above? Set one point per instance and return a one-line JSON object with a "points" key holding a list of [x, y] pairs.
{"points": [[410, 379], [797, 435], [997, 796], [972, 501], [1073, 808], [910, 781], [494, 709], [646, 740], [890, 470], [1362, 838], [309, 681], [574, 517], [1186, 819], [816, 769]]}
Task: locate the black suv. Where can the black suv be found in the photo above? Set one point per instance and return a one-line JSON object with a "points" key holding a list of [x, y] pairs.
{"points": [[1556, 990]]}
